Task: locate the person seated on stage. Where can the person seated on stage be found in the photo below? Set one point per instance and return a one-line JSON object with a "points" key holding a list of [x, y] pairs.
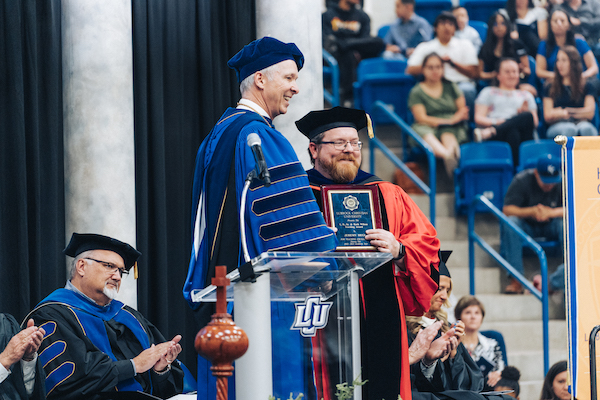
{"points": [[464, 30], [569, 104], [534, 203], [455, 370], [21, 375], [509, 381], [407, 32], [402, 286], [95, 344], [347, 36], [556, 383], [483, 350], [506, 113], [459, 56]]}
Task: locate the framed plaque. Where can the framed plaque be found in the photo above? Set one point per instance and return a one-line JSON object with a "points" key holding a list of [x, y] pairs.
{"points": [[352, 209]]}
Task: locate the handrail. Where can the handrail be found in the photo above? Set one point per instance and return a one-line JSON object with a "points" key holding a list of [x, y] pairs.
{"points": [[475, 238], [332, 98], [376, 143], [592, 340]]}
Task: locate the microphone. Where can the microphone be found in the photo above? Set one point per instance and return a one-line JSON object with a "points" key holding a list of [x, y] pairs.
{"points": [[259, 158]]}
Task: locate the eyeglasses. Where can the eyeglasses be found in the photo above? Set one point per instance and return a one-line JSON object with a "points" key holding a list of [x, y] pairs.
{"points": [[110, 267], [341, 144]]}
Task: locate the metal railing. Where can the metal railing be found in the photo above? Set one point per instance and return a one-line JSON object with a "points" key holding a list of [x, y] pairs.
{"points": [[474, 238], [407, 130], [333, 71]]}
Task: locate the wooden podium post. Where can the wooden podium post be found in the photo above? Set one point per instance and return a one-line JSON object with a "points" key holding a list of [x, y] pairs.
{"points": [[221, 341]]}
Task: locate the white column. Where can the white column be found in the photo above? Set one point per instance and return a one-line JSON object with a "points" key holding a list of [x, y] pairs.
{"points": [[98, 122], [297, 21]]}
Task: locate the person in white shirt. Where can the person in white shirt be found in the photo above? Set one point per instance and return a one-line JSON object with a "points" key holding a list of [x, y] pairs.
{"points": [[18, 360], [465, 31], [459, 56]]}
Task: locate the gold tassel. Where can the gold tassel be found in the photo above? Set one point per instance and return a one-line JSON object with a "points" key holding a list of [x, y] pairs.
{"points": [[369, 126], [135, 271]]}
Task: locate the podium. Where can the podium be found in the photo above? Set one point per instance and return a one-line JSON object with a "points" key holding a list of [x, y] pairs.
{"points": [[324, 290]]}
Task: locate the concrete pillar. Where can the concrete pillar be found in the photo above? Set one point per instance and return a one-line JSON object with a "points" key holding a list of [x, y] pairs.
{"points": [[297, 21], [98, 122]]}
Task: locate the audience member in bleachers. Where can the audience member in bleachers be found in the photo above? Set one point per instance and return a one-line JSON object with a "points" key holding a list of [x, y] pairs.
{"points": [[464, 30], [569, 103], [585, 17], [556, 383], [459, 56], [534, 203], [347, 36], [439, 109], [506, 113], [530, 23], [556, 280], [561, 35], [454, 371], [499, 44], [509, 381], [485, 351], [407, 32]]}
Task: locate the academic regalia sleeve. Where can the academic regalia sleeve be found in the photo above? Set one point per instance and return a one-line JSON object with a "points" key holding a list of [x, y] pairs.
{"points": [[75, 368], [412, 228], [462, 373]]}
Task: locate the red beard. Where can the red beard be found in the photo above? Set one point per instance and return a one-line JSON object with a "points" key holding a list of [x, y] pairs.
{"points": [[341, 172]]}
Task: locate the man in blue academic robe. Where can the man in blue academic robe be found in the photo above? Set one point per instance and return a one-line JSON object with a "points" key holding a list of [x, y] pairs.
{"points": [[279, 216]]}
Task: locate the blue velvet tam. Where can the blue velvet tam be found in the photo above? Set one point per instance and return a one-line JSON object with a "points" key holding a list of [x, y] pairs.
{"points": [[263, 53]]}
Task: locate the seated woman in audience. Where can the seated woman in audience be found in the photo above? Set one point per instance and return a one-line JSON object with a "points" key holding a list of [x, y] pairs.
{"points": [[556, 385], [561, 35], [506, 113], [456, 370], [485, 351], [498, 44], [530, 23], [439, 109], [509, 381], [569, 103]]}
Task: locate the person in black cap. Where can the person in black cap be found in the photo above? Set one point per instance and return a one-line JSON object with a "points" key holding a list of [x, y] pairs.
{"points": [[533, 202], [95, 344], [404, 286], [267, 70]]}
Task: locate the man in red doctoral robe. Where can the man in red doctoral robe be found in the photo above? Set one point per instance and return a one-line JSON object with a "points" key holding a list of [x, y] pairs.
{"points": [[402, 287]]}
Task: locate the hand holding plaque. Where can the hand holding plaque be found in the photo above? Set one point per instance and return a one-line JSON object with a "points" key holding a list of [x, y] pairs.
{"points": [[352, 209]]}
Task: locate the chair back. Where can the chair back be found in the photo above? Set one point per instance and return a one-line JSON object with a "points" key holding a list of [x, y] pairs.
{"points": [[430, 9], [383, 31], [497, 336], [531, 150], [480, 10], [481, 28]]}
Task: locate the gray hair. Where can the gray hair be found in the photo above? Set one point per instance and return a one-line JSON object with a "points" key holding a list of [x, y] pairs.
{"points": [[248, 82], [79, 256]]}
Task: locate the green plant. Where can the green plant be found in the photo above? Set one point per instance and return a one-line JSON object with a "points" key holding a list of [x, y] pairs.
{"points": [[345, 392], [300, 396]]}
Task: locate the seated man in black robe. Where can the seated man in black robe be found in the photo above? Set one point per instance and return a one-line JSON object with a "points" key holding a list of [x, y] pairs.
{"points": [[21, 376], [94, 344]]}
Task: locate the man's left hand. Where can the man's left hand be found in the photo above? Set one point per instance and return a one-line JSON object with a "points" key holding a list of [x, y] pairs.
{"points": [[384, 241], [174, 348]]}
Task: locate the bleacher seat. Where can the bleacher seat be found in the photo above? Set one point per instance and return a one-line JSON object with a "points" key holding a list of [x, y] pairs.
{"points": [[481, 28], [331, 78], [381, 32], [385, 80], [430, 9], [497, 336], [480, 10], [485, 168], [531, 150]]}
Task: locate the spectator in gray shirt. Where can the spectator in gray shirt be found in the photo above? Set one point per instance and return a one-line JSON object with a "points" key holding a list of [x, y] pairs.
{"points": [[407, 32], [585, 20]]}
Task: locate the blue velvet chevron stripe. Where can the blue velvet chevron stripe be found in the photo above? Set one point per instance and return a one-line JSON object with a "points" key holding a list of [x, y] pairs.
{"points": [[288, 226], [279, 173], [52, 351], [91, 317], [281, 200], [59, 375]]}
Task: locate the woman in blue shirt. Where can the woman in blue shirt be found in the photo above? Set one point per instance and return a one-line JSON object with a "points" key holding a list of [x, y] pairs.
{"points": [[561, 35]]}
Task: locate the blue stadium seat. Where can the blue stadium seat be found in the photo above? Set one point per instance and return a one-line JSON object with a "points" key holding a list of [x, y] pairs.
{"points": [[430, 9], [484, 168], [497, 336], [481, 28], [331, 78], [480, 10], [383, 31], [531, 150], [385, 80]]}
